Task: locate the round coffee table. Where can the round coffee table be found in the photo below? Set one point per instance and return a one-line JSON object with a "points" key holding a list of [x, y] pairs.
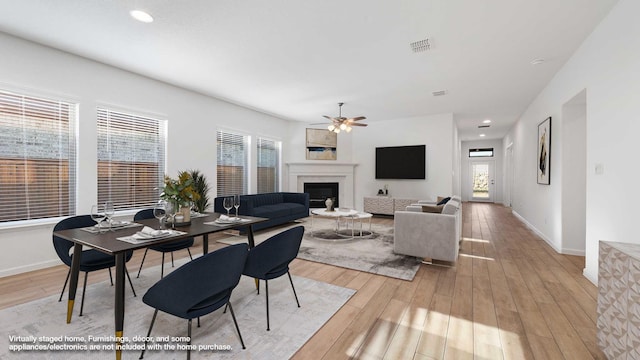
{"points": [[348, 214]]}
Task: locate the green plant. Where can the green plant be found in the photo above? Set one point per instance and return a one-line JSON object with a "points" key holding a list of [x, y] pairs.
{"points": [[202, 188], [179, 191]]}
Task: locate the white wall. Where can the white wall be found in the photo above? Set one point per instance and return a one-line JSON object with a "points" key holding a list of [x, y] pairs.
{"points": [[192, 123], [574, 174], [436, 132], [607, 65], [497, 167]]}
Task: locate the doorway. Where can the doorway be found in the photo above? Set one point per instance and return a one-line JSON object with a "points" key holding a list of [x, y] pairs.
{"points": [[482, 181]]}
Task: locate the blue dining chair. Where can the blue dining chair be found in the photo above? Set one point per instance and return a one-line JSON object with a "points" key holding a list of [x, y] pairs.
{"points": [[270, 259], [163, 248], [91, 260], [199, 287]]}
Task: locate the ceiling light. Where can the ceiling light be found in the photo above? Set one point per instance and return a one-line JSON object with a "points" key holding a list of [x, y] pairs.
{"points": [[537, 61], [486, 121], [331, 127], [141, 16], [482, 135], [348, 129]]}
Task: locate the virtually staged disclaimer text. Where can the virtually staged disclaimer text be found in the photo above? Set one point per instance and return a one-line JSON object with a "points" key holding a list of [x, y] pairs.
{"points": [[108, 343]]}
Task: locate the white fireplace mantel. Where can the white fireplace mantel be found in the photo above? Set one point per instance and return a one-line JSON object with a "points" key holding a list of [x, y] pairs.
{"points": [[342, 173]]}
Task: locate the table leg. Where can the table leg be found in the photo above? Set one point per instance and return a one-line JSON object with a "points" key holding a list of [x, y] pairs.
{"points": [[73, 283], [205, 244], [252, 244], [119, 301]]}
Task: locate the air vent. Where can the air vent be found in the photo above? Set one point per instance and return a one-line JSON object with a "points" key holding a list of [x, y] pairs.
{"points": [[483, 126], [439, 93], [420, 46]]}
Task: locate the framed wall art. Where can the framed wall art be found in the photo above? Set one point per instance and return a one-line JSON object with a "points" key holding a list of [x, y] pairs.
{"points": [[544, 152], [321, 144]]}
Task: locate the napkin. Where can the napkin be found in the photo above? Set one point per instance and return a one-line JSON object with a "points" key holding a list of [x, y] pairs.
{"points": [[149, 233]]}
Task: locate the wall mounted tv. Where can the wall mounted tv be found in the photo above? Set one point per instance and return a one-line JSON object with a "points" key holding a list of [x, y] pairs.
{"points": [[401, 162]]}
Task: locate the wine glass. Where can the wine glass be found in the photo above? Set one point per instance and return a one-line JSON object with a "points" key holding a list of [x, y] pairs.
{"points": [[160, 212], [97, 215], [171, 208], [236, 203], [228, 203], [109, 211]]}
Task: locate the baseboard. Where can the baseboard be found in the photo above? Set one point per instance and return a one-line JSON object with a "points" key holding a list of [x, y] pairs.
{"points": [[590, 276], [575, 252], [30, 267], [536, 231]]}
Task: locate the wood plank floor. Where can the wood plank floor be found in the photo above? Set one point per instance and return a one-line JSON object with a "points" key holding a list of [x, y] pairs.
{"points": [[510, 296]]}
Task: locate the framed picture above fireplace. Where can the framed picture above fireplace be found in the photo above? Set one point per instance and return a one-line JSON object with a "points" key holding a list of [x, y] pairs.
{"points": [[321, 144]]}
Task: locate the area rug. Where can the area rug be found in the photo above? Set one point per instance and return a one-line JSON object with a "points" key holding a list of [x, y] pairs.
{"points": [[291, 326], [372, 253]]}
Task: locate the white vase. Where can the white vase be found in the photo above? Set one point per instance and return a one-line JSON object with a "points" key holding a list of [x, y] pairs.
{"points": [[329, 204]]}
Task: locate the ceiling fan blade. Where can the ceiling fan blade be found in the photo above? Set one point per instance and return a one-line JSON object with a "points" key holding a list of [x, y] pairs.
{"points": [[358, 118], [323, 124], [357, 124], [328, 117]]}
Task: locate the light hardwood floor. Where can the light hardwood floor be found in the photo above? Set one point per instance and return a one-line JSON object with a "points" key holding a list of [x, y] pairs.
{"points": [[510, 296]]}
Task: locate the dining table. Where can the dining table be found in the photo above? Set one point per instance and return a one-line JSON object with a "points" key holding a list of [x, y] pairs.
{"points": [[108, 242]]}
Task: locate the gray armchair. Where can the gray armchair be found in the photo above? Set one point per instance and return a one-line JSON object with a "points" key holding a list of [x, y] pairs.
{"points": [[428, 235]]}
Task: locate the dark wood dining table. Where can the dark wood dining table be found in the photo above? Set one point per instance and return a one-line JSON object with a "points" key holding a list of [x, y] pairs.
{"points": [[107, 242]]}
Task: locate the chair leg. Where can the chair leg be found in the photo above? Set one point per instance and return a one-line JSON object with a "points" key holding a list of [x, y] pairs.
{"points": [[155, 313], [266, 290], [162, 267], [236, 323], [189, 251], [130, 283], [294, 289], [84, 289], [110, 277], [65, 284], [142, 262], [172, 264], [189, 342]]}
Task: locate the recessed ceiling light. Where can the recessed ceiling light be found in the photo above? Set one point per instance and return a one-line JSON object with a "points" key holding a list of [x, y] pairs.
{"points": [[486, 121], [537, 61], [482, 135], [141, 16]]}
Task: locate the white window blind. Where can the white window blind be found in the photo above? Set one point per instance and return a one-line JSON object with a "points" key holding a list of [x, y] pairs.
{"points": [[232, 163], [131, 159], [37, 157], [268, 165]]}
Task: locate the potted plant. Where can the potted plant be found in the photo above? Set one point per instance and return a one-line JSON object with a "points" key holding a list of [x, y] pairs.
{"points": [[180, 193], [202, 188]]}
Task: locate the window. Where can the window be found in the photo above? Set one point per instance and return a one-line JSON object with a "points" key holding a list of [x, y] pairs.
{"points": [[37, 157], [131, 152], [268, 165], [232, 162], [486, 152]]}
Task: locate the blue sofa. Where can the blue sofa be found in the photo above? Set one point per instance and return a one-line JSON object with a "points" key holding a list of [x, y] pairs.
{"points": [[279, 208]]}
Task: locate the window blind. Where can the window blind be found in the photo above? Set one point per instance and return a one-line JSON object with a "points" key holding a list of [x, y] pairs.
{"points": [[37, 157], [268, 165], [232, 161], [131, 159]]}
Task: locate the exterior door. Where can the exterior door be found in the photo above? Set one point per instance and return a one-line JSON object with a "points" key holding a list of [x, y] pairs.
{"points": [[482, 181]]}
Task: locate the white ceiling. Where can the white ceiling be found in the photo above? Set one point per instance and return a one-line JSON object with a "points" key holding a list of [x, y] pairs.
{"points": [[297, 59]]}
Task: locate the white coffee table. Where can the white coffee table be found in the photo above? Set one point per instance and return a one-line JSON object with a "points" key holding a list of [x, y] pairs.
{"points": [[338, 214]]}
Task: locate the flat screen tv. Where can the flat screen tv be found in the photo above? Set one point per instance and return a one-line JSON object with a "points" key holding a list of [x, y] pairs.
{"points": [[401, 162]]}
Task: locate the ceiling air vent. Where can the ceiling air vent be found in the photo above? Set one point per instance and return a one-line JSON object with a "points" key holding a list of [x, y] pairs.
{"points": [[420, 46], [483, 126], [439, 93]]}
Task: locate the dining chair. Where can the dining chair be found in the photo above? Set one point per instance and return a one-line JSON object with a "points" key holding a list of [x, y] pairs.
{"points": [[270, 259], [199, 287], [163, 248], [91, 260]]}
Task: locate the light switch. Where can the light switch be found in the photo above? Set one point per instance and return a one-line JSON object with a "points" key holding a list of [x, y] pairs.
{"points": [[599, 169]]}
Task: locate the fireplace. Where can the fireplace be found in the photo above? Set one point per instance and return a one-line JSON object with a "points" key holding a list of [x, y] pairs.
{"points": [[320, 191]]}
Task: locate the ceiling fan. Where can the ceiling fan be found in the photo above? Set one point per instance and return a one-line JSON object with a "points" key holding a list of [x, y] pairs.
{"points": [[343, 123]]}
